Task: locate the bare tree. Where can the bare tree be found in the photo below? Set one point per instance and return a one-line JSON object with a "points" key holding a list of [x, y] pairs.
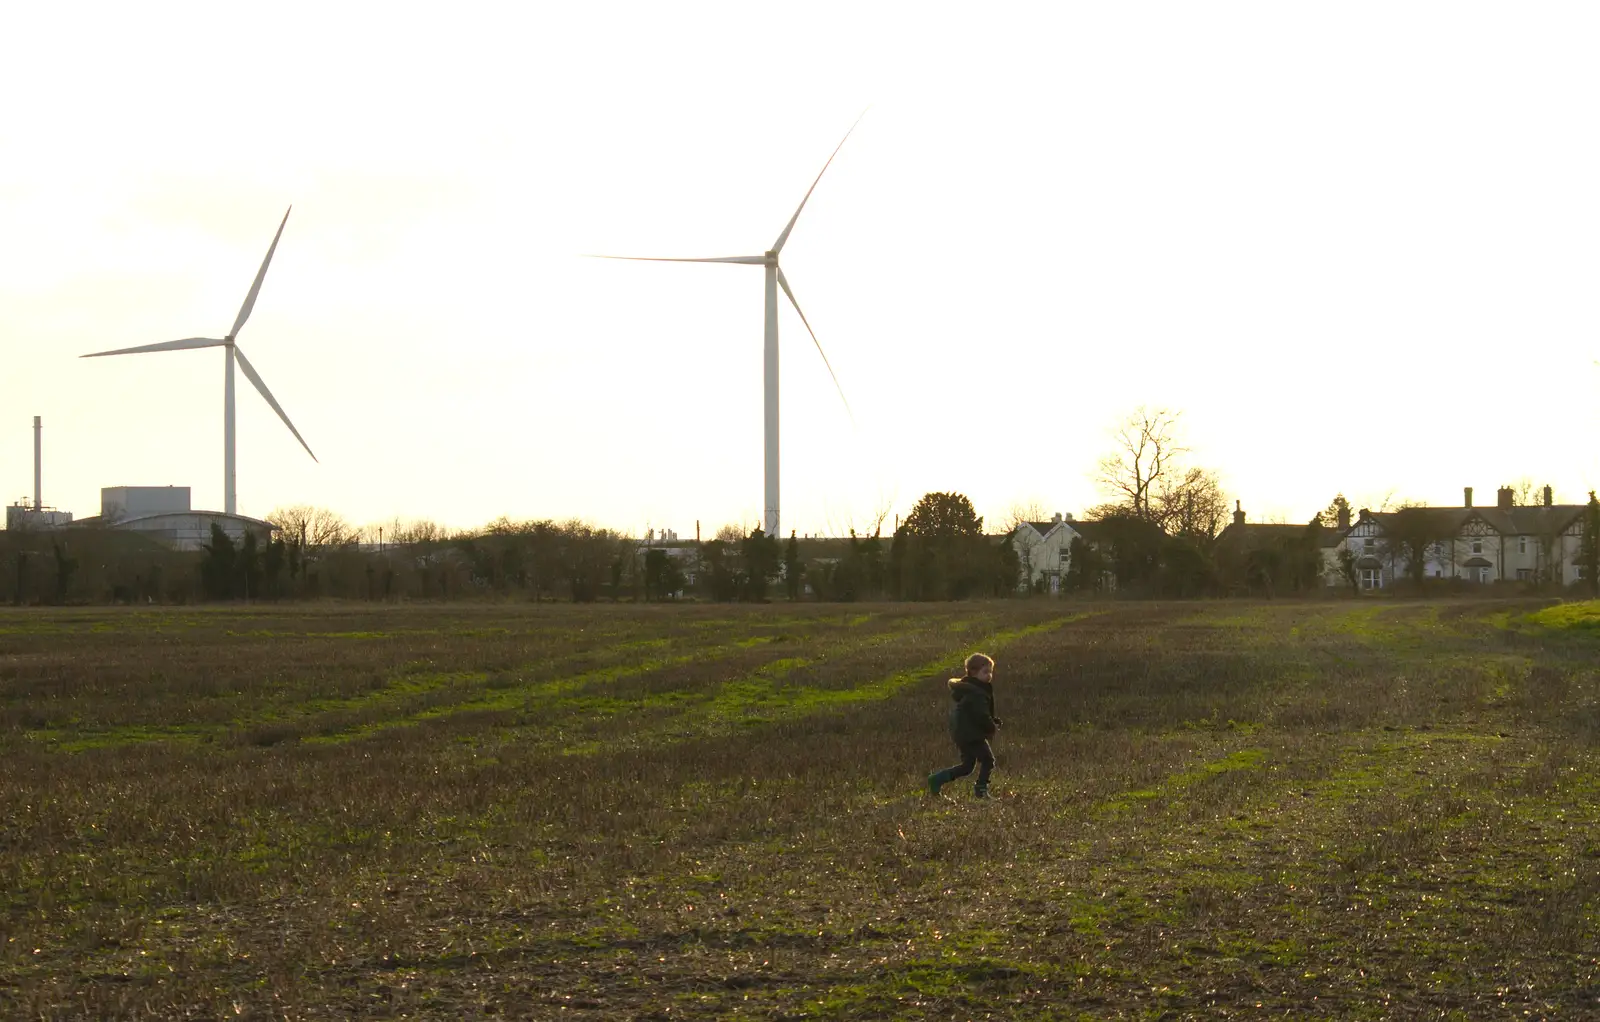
{"points": [[1415, 534], [1147, 479], [732, 533], [1525, 494], [314, 527], [1025, 511], [418, 530], [871, 524], [400, 532], [880, 515], [1144, 458], [1191, 504]]}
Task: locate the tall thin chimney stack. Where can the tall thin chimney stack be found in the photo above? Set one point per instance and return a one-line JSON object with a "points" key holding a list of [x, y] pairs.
{"points": [[38, 464], [1466, 496]]}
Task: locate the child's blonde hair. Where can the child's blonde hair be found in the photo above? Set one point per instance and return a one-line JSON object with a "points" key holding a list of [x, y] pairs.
{"points": [[976, 661]]}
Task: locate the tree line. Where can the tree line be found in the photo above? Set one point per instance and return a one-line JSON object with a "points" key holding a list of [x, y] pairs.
{"points": [[939, 552], [1159, 534]]}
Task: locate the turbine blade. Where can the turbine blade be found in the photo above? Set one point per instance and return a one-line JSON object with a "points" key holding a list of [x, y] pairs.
{"points": [[255, 378], [187, 342], [777, 246], [746, 260], [255, 288], [783, 282]]}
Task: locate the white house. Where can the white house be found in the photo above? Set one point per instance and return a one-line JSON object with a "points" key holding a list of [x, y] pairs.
{"points": [[1044, 551], [684, 554], [1504, 543]]}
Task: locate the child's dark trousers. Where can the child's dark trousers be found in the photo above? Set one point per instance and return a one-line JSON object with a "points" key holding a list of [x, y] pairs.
{"points": [[973, 754]]}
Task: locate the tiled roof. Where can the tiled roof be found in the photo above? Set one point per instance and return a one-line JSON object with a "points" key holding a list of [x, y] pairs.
{"points": [[1535, 520], [1532, 520], [1096, 531], [1251, 535]]}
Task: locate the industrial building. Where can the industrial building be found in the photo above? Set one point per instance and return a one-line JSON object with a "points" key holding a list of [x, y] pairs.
{"points": [[23, 515], [163, 513]]}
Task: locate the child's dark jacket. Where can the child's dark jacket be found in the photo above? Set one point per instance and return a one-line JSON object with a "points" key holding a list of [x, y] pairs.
{"points": [[972, 716]]}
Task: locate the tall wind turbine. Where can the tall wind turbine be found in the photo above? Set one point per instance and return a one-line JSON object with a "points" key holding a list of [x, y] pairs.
{"points": [[775, 280], [229, 477]]}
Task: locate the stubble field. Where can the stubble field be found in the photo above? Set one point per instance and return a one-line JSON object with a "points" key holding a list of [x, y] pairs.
{"points": [[1341, 809]]}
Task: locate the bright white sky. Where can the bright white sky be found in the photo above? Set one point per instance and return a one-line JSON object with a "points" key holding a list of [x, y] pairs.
{"points": [[1356, 243]]}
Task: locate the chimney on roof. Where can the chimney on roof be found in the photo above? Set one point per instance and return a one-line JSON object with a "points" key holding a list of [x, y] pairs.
{"points": [[1549, 497], [1344, 517], [1068, 516], [1505, 497], [1057, 518], [1466, 496], [1238, 513]]}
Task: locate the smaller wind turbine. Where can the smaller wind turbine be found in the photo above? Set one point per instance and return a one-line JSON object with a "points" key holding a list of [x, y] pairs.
{"points": [[229, 479]]}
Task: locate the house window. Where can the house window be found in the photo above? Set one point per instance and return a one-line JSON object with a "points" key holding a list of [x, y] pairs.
{"points": [[1477, 546], [1524, 574], [1579, 572], [1522, 544], [1372, 578], [1066, 555]]}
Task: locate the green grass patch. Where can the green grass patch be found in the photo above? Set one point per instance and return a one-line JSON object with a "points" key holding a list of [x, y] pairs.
{"points": [[1582, 618]]}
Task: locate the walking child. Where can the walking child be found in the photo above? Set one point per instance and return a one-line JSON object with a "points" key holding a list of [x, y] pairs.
{"points": [[972, 724]]}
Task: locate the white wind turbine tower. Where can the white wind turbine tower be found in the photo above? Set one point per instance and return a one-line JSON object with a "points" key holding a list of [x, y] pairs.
{"points": [[229, 484], [775, 280]]}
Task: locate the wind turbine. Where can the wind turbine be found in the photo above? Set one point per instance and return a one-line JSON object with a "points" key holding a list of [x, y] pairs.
{"points": [[775, 280], [229, 478]]}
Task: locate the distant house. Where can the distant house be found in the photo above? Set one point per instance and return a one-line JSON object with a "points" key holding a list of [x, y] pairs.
{"points": [[1276, 557], [1504, 543], [683, 553], [1044, 551]]}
